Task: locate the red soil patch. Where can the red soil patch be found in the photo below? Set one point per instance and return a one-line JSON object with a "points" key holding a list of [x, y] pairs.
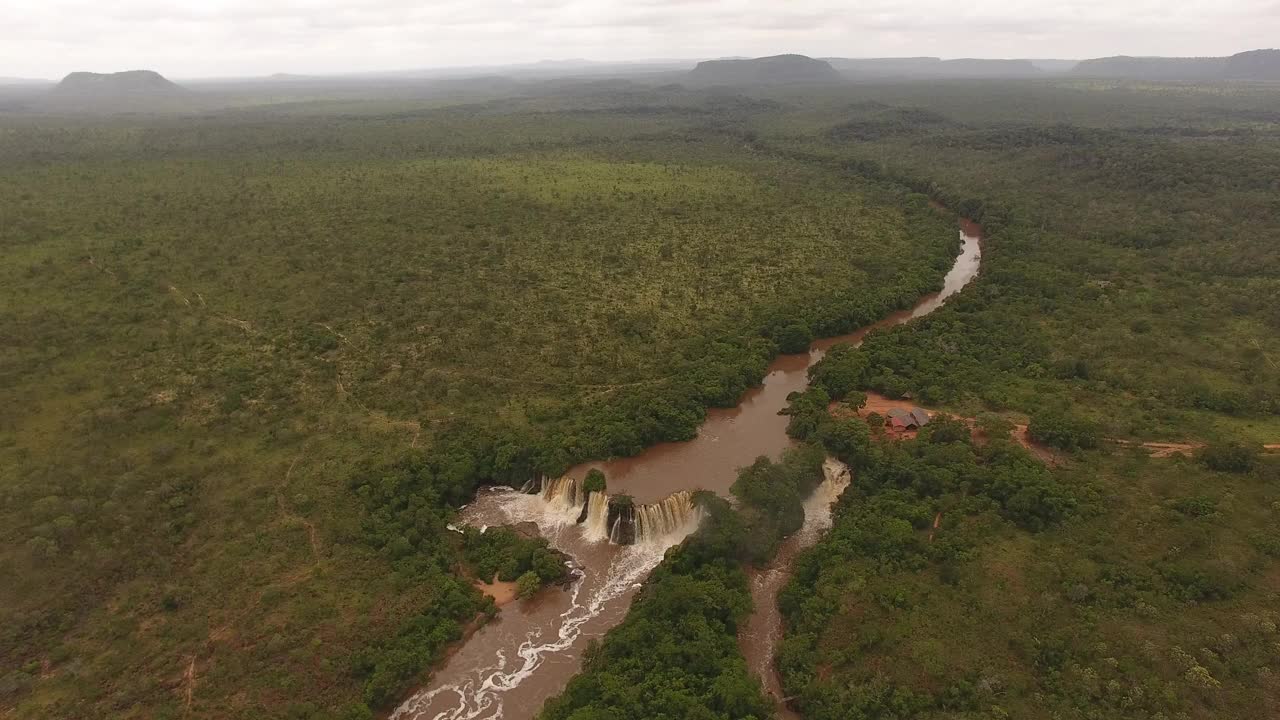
{"points": [[1023, 437], [503, 593], [877, 403]]}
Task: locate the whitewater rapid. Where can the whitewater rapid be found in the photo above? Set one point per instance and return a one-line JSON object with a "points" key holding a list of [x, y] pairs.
{"points": [[495, 667]]}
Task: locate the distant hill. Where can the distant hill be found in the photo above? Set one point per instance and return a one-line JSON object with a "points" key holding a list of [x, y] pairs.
{"points": [[886, 67], [1251, 65], [130, 91], [1054, 65], [1153, 68], [975, 67], [132, 83], [932, 67], [766, 70], [1254, 65]]}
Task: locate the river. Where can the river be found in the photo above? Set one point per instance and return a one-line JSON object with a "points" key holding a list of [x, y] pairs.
{"points": [[512, 665]]}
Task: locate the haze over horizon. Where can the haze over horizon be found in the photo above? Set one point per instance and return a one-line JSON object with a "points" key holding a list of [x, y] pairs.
{"points": [[222, 38]]}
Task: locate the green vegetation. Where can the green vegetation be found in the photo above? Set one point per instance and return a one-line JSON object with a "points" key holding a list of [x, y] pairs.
{"points": [[676, 655], [1127, 276], [771, 496], [1230, 457], [594, 482], [1120, 586], [253, 358], [503, 553], [1063, 431], [405, 520], [1121, 296]]}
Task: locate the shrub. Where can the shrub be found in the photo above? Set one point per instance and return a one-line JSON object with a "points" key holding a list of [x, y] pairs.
{"points": [[1063, 431], [528, 584], [594, 482], [1230, 457], [842, 371], [794, 338]]}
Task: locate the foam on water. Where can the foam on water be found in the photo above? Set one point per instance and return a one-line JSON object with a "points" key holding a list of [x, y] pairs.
{"points": [[482, 698], [480, 694]]}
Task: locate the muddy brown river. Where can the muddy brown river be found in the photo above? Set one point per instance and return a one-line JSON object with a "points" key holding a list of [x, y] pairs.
{"points": [[512, 665]]}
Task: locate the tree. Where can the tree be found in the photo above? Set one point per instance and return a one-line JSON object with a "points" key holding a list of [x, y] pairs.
{"points": [[1232, 457], [848, 439], [355, 711], [994, 427], [946, 429], [808, 411], [794, 338], [594, 481], [1064, 431], [528, 584], [842, 371]]}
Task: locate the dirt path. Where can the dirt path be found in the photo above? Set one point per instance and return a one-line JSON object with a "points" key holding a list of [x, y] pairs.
{"points": [[596, 388], [881, 405], [104, 270], [189, 683], [178, 294], [225, 631], [242, 324], [1160, 449], [290, 517]]}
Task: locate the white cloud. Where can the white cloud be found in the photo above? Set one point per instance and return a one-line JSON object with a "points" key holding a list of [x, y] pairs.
{"points": [[232, 37]]}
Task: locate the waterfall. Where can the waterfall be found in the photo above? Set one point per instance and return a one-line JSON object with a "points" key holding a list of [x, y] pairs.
{"points": [[596, 526], [674, 514], [563, 496], [622, 521], [614, 518], [817, 508]]}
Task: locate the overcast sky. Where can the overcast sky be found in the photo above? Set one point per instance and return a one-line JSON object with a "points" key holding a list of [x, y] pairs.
{"points": [[185, 39]]}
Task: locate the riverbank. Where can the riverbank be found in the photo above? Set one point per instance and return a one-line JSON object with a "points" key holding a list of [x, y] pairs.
{"points": [[762, 634], [502, 593], [483, 681]]}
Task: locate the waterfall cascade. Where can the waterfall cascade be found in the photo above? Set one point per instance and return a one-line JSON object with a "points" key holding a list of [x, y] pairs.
{"points": [[616, 518], [622, 521], [672, 514], [596, 524], [563, 495]]}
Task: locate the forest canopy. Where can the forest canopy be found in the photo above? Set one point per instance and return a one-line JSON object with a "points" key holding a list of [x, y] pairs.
{"points": [[254, 359]]}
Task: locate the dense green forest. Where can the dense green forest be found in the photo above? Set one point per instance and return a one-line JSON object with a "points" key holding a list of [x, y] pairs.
{"points": [[252, 358], [1148, 592], [1131, 271], [1128, 290]]}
